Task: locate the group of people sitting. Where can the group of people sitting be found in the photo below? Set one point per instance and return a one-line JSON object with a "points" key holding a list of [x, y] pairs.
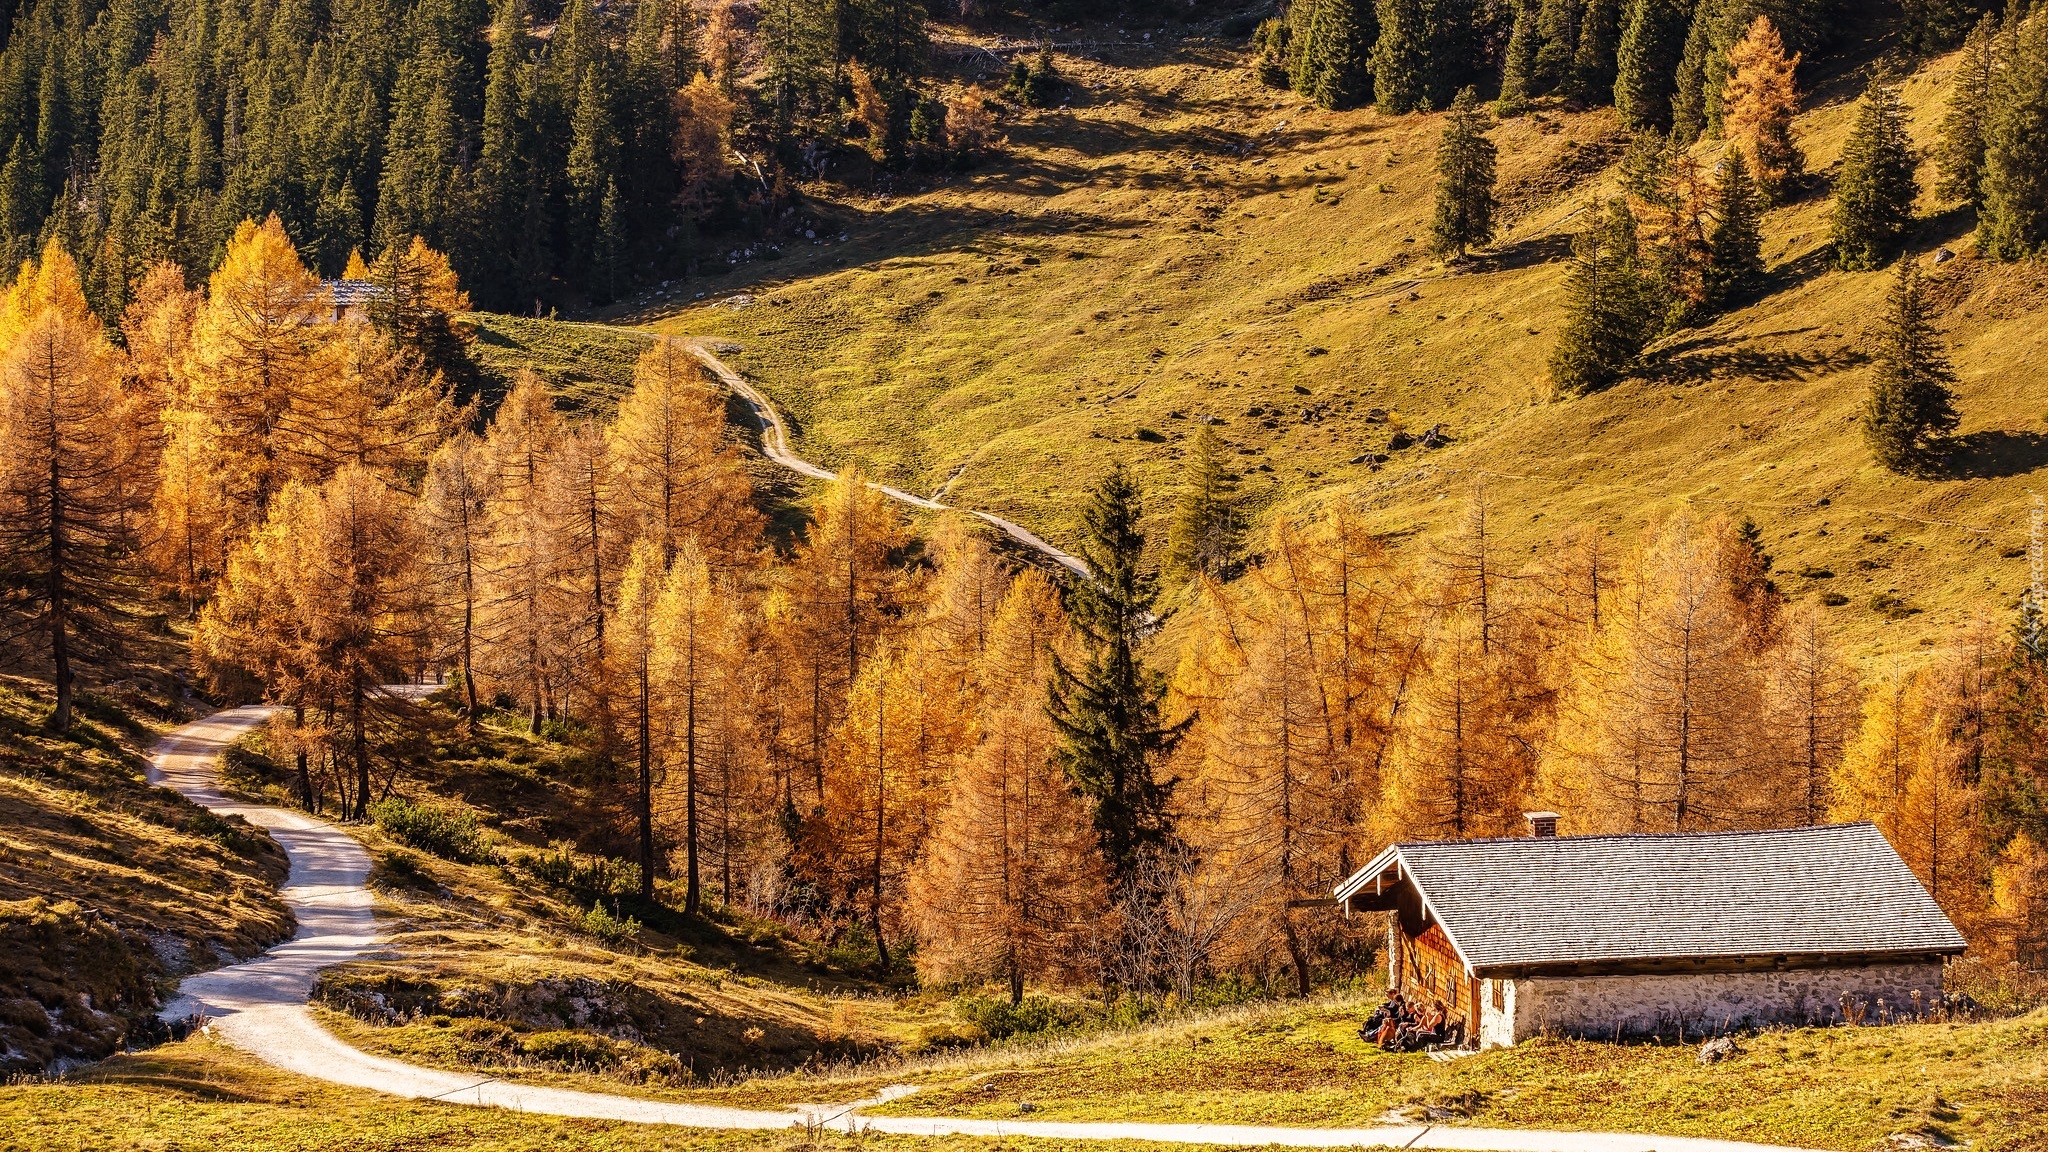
{"points": [[1400, 1024]]}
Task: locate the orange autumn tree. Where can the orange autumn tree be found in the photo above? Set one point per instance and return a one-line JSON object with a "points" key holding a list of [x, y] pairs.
{"points": [[514, 632], [1758, 101], [691, 625], [1908, 771], [1013, 878], [322, 605], [74, 466], [674, 474], [905, 731], [1657, 729], [254, 359]]}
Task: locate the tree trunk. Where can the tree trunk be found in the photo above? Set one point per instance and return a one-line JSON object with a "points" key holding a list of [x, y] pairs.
{"points": [[60, 637], [306, 799], [1295, 952], [646, 805], [362, 751], [692, 895], [881, 810]]}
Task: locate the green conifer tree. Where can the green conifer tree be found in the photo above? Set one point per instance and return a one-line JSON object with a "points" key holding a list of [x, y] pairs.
{"points": [[1592, 75], [1465, 180], [1400, 57], [1646, 64], [1959, 156], [1910, 406], [1557, 33], [1333, 56], [1735, 260], [1518, 69], [1689, 98], [1937, 25], [2013, 221], [1107, 710], [1203, 536], [1608, 307], [1875, 192]]}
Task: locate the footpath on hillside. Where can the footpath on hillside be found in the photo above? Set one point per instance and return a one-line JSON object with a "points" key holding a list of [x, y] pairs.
{"points": [[261, 1008]]}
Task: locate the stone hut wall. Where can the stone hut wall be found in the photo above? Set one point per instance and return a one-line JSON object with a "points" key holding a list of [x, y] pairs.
{"points": [[1603, 1007]]}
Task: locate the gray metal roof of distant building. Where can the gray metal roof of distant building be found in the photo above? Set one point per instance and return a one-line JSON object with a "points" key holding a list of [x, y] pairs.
{"points": [[350, 293], [1547, 901]]}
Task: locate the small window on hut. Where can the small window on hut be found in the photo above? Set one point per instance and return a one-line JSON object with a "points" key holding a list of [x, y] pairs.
{"points": [[1500, 999]]}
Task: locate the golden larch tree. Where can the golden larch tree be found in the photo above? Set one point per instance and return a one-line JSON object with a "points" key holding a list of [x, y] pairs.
{"points": [[1012, 879], [256, 350], [515, 609], [1758, 101], [73, 466], [675, 475]]}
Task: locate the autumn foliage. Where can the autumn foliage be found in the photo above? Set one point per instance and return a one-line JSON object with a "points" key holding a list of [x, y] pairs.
{"points": [[895, 737]]}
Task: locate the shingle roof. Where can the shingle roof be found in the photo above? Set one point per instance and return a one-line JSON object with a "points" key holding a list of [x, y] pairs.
{"points": [[350, 293], [1831, 890]]}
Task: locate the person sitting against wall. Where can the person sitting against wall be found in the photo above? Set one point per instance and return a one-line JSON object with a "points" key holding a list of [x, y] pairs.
{"points": [[1379, 1015], [1399, 1017], [1423, 1032]]}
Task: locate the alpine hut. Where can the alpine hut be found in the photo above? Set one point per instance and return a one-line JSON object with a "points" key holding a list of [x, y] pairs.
{"points": [[1632, 935]]}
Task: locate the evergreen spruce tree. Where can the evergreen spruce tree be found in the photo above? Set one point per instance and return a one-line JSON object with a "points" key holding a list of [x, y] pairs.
{"points": [[1910, 406], [1646, 64], [1875, 192], [1106, 710], [1400, 57], [1333, 55], [1689, 97], [1937, 25], [1959, 156], [2013, 220], [1557, 34], [1465, 180], [1735, 262], [1203, 536], [1608, 308], [1518, 71], [1593, 59]]}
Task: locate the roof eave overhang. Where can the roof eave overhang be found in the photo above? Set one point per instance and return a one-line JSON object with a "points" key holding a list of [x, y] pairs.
{"points": [[1684, 965]]}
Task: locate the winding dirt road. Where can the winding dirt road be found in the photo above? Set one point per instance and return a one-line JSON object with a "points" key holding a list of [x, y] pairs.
{"points": [[775, 446], [260, 1007]]}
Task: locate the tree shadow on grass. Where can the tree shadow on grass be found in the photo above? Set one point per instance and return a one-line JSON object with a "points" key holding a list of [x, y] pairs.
{"points": [[1991, 454], [1684, 365], [1525, 253]]}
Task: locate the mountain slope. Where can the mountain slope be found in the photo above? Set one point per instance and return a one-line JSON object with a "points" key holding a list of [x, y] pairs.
{"points": [[1183, 243]]}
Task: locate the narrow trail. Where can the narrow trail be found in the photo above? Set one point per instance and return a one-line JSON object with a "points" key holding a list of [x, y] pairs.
{"points": [[260, 1007], [775, 446]]}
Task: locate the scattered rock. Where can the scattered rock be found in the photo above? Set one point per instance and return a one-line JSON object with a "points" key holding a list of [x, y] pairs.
{"points": [[1376, 416], [1398, 441], [1718, 1049], [1943, 255], [1435, 437], [1026, 1106]]}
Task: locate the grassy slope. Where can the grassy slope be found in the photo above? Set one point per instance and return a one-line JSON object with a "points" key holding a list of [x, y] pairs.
{"points": [[497, 941], [108, 887], [200, 1094], [1124, 267]]}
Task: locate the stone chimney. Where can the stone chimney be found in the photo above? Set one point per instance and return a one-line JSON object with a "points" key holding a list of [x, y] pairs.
{"points": [[1541, 824]]}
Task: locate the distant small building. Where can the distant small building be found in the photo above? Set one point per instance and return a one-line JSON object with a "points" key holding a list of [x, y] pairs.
{"points": [[1615, 936], [350, 298]]}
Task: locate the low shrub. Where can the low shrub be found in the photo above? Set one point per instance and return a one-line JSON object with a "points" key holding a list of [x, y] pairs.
{"points": [[999, 1019], [560, 864], [605, 926], [450, 833]]}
